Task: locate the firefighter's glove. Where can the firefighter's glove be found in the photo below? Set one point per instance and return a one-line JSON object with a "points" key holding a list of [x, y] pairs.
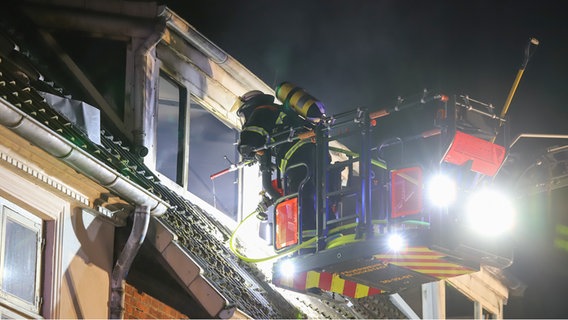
{"points": [[247, 152], [262, 207], [262, 216]]}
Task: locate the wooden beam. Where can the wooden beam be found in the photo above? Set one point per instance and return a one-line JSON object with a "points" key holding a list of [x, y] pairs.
{"points": [[90, 88], [434, 300], [483, 288]]}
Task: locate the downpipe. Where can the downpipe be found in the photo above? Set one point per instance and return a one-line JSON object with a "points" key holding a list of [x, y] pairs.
{"points": [[145, 75], [144, 82], [124, 261]]}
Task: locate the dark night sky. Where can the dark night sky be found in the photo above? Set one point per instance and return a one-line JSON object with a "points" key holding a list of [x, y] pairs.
{"points": [[367, 53]]}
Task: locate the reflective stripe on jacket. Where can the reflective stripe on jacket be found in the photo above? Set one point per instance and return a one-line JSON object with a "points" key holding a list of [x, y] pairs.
{"points": [[260, 130], [290, 153]]}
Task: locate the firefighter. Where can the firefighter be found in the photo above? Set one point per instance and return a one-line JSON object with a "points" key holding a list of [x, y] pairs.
{"points": [[261, 117]]}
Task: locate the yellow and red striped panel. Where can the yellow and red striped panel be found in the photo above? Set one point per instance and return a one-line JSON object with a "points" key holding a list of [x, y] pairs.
{"points": [[425, 261], [327, 281]]}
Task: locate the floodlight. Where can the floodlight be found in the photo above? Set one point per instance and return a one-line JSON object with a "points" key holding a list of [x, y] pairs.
{"points": [[490, 212], [442, 190], [396, 242], [287, 269]]}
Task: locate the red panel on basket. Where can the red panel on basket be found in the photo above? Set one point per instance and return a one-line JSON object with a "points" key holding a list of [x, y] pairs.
{"points": [[406, 194], [486, 157], [286, 223]]}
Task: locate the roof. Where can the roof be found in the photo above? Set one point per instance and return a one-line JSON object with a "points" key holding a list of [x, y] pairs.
{"points": [[199, 236]]}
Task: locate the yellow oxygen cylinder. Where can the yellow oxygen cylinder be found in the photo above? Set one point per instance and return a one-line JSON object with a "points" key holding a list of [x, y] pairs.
{"points": [[300, 101]]}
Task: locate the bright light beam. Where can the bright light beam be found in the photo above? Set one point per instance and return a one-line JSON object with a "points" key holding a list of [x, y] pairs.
{"points": [[287, 269], [489, 212], [396, 242], [442, 190]]}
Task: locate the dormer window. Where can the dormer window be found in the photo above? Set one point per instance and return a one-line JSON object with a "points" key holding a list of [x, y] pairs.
{"points": [[192, 144]]}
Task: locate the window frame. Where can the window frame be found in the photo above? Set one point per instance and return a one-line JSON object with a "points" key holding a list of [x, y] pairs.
{"points": [[182, 158], [35, 224], [187, 98]]}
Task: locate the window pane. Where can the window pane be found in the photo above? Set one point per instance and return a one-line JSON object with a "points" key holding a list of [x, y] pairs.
{"points": [[19, 266], [169, 134], [210, 142]]}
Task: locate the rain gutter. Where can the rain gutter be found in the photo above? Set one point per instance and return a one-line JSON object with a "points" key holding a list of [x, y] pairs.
{"points": [[195, 38], [214, 53], [62, 149]]}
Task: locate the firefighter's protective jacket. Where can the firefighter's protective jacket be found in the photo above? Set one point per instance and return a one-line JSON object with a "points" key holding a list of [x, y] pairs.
{"points": [[262, 120]]}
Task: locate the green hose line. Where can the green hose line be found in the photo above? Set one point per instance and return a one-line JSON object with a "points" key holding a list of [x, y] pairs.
{"points": [[342, 240], [296, 248], [353, 154], [350, 238], [263, 259], [339, 241], [343, 227], [352, 225], [417, 222], [306, 243]]}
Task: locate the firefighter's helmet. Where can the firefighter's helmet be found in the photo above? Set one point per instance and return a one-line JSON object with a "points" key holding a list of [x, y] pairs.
{"points": [[245, 104]]}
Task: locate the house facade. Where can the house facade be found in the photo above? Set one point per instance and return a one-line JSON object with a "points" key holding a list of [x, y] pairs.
{"points": [[140, 75]]}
